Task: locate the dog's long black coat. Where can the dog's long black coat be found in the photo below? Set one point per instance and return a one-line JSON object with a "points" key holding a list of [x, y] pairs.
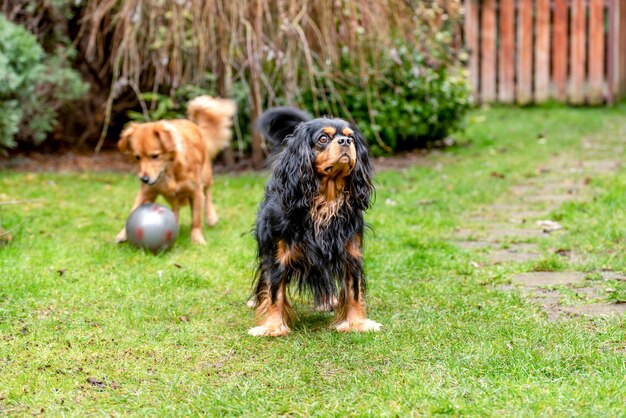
{"points": [[285, 213]]}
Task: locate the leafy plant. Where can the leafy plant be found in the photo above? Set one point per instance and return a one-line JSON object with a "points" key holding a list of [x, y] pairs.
{"points": [[33, 86], [406, 104]]}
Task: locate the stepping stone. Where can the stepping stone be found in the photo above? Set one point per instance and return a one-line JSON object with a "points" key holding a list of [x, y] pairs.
{"points": [[466, 235], [507, 208], [524, 189], [597, 309], [613, 275], [550, 303], [541, 278], [511, 256], [601, 165], [572, 190], [513, 233], [472, 245], [588, 292], [523, 247], [551, 198], [483, 219], [524, 216]]}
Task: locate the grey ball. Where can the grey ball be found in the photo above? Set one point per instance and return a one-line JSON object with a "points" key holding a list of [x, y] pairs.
{"points": [[153, 227]]}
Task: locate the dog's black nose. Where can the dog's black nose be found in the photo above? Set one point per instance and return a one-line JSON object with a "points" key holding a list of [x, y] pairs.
{"points": [[344, 141], [145, 179]]}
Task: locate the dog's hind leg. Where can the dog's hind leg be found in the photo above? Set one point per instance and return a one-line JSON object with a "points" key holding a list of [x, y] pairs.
{"points": [[196, 217], [209, 208]]}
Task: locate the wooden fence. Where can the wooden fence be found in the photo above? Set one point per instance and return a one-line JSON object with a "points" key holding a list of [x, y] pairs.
{"points": [[524, 51]]}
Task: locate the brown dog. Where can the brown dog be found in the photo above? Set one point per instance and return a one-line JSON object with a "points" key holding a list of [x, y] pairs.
{"points": [[175, 157]]}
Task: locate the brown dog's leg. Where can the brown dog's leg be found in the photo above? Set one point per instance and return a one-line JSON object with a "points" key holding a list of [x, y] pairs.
{"points": [[276, 314], [141, 198], [209, 208], [196, 217]]}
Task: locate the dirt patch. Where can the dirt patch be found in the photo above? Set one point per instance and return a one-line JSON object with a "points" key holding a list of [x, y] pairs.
{"points": [[70, 161], [81, 162]]}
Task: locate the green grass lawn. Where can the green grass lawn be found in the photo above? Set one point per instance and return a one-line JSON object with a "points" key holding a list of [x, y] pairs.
{"points": [[91, 327]]}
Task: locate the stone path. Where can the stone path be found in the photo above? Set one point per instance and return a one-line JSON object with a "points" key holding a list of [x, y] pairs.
{"points": [[510, 232]]}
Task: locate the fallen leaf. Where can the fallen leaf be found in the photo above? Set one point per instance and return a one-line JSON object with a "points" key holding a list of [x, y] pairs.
{"points": [[425, 202], [98, 383], [563, 252]]}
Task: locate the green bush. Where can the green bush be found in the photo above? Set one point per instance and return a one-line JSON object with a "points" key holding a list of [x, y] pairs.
{"points": [[405, 104], [33, 86]]}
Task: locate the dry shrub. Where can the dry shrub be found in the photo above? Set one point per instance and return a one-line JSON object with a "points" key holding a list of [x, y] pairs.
{"points": [[276, 50]]}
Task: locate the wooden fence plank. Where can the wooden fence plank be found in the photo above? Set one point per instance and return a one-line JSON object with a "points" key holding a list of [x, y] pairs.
{"points": [[621, 48], [524, 52], [488, 52], [559, 49], [542, 50], [596, 51], [570, 50], [577, 53], [611, 52], [506, 52], [471, 42]]}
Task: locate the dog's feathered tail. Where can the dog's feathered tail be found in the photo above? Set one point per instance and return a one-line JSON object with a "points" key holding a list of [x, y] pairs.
{"points": [[214, 116], [279, 122]]}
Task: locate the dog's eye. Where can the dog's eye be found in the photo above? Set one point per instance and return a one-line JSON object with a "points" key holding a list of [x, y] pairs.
{"points": [[137, 157], [155, 156], [323, 139]]}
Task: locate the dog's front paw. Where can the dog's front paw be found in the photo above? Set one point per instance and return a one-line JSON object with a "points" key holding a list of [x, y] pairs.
{"points": [[197, 237], [121, 237], [360, 326], [277, 330]]}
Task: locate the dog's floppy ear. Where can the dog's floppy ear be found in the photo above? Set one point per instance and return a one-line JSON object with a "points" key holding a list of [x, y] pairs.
{"points": [[294, 174], [361, 188], [165, 133], [124, 143]]}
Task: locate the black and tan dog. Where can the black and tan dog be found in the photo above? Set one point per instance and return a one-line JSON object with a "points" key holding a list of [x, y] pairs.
{"points": [[310, 225]]}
